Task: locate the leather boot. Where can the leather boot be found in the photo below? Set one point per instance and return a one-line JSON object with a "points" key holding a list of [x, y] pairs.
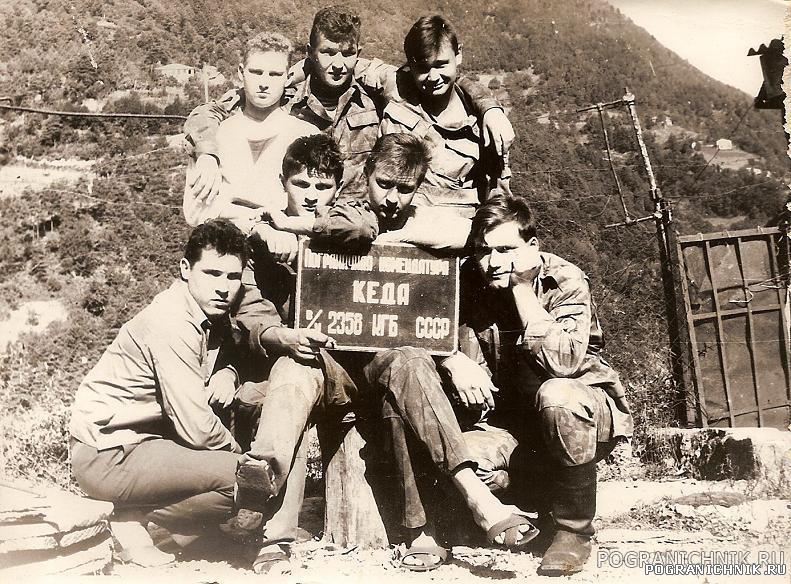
{"points": [[573, 509]]}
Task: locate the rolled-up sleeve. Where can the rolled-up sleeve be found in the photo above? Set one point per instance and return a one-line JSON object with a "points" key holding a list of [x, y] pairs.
{"points": [[176, 358], [558, 340], [348, 224], [255, 313], [200, 129], [481, 97]]}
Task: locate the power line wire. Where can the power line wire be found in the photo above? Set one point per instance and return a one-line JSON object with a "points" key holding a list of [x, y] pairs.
{"points": [[92, 115]]}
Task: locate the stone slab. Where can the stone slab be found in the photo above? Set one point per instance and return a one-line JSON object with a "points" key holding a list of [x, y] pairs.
{"points": [[618, 497], [761, 455]]}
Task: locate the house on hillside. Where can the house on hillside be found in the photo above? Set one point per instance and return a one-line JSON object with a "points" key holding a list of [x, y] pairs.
{"points": [[663, 121], [179, 72], [724, 144]]}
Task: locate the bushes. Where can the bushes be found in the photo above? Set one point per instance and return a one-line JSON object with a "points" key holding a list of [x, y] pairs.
{"points": [[35, 443]]}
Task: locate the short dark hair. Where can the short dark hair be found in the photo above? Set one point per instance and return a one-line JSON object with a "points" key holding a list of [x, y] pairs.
{"points": [[318, 154], [399, 155], [337, 23], [426, 37], [503, 208], [220, 235]]}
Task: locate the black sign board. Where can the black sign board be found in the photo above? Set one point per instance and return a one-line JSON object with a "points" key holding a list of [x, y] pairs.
{"points": [[397, 295]]}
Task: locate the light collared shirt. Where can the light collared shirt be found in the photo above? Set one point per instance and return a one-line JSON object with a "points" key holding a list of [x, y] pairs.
{"points": [[151, 382]]}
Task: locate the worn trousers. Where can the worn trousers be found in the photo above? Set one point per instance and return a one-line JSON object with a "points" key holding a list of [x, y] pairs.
{"points": [[575, 421], [570, 424], [417, 415], [287, 401], [187, 491], [404, 388]]}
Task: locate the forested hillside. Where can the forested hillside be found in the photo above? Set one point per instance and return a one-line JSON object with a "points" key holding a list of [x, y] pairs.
{"points": [[117, 238]]}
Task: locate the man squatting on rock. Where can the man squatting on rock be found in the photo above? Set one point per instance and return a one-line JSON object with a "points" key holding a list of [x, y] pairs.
{"points": [[143, 432]]}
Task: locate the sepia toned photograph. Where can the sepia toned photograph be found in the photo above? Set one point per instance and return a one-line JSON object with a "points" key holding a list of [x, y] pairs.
{"points": [[428, 291]]}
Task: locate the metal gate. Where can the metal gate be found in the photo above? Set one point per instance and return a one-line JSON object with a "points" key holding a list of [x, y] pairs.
{"points": [[736, 298]]}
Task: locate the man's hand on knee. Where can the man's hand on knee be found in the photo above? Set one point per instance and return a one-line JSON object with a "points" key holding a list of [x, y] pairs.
{"points": [[471, 384], [222, 387], [205, 182]]}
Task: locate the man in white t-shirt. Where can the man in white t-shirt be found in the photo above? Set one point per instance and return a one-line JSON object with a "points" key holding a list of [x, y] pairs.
{"points": [[252, 142]]}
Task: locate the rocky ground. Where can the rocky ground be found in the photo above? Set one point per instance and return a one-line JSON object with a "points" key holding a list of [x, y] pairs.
{"points": [[637, 519]]}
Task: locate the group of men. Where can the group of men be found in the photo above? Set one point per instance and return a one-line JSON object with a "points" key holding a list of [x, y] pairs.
{"points": [[351, 152]]}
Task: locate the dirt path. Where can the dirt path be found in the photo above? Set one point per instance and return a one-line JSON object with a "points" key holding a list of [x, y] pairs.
{"points": [[21, 175], [611, 561], [642, 526]]}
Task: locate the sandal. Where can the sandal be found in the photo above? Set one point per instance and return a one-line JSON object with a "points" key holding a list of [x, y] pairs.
{"points": [[509, 527], [427, 554], [268, 556]]}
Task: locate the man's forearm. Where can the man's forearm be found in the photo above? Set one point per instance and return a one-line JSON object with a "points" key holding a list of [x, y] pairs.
{"points": [[201, 126], [481, 98], [527, 304], [558, 343], [272, 339], [296, 225], [441, 232]]}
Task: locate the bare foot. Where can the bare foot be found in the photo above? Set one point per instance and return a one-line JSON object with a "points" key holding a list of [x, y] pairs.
{"points": [[487, 510], [523, 529]]}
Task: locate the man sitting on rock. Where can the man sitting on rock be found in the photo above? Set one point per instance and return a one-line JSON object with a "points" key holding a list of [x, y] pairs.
{"points": [[336, 92], [534, 317], [143, 432]]}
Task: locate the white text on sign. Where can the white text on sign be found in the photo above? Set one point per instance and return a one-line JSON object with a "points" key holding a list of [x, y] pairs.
{"points": [[432, 328], [373, 292]]}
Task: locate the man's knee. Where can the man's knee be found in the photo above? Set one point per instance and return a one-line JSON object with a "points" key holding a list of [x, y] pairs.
{"points": [[392, 362], [561, 393], [567, 421], [288, 373], [220, 469]]}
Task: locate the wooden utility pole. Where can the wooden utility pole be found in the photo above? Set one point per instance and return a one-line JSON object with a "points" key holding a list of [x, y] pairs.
{"points": [[668, 257], [205, 83]]}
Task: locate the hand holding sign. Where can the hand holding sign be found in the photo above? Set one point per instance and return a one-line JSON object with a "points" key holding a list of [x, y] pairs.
{"points": [[302, 344], [282, 245]]}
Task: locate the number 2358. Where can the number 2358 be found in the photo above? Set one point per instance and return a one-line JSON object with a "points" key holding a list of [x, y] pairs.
{"points": [[344, 323]]}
